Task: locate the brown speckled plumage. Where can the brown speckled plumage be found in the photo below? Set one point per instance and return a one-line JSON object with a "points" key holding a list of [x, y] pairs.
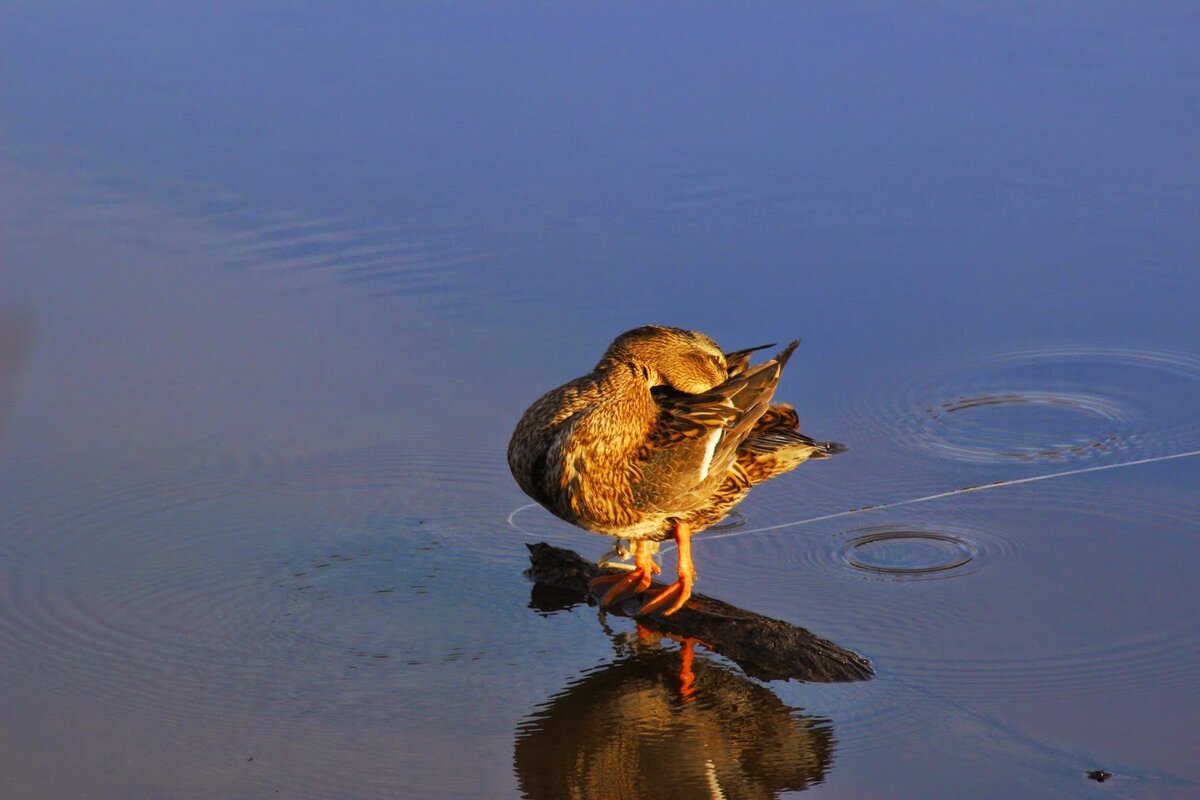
{"points": [[666, 429]]}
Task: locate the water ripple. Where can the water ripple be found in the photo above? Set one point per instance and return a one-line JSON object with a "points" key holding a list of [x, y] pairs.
{"points": [[1049, 405], [300, 250], [128, 581], [1041, 550], [905, 553]]}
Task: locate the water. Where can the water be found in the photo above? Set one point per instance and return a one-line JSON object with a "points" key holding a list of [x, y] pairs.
{"points": [[277, 284]]}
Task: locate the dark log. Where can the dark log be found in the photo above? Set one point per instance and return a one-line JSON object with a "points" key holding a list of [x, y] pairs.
{"points": [[765, 648]]}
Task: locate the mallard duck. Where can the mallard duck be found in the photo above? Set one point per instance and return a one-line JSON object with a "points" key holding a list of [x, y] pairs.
{"points": [[662, 439]]}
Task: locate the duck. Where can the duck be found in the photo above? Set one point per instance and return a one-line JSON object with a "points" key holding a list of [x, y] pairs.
{"points": [[661, 440]]}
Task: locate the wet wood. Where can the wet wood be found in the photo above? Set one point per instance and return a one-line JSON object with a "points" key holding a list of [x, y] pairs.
{"points": [[765, 648]]}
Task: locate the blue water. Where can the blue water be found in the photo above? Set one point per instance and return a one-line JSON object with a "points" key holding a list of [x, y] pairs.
{"points": [[276, 283]]}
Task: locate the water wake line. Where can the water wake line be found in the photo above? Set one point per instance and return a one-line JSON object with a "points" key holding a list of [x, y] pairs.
{"points": [[940, 495]]}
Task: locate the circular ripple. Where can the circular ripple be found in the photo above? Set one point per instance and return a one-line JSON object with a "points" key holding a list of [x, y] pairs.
{"points": [[1051, 426], [167, 589], [935, 546], [1069, 618], [735, 520], [906, 554], [1050, 405]]}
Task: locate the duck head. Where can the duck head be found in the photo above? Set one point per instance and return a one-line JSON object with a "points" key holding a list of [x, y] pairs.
{"points": [[685, 360]]}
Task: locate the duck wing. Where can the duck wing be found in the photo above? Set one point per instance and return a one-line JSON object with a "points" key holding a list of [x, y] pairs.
{"points": [[695, 439]]}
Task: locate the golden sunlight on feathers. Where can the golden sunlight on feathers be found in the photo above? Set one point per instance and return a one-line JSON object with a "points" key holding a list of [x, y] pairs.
{"points": [[662, 439]]}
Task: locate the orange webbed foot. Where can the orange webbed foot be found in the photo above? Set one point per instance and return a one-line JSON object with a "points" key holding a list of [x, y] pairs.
{"points": [[628, 585], [635, 582], [678, 592]]}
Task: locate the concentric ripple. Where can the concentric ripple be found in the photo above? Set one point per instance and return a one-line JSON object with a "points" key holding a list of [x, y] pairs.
{"points": [[907, 554], [939, 544], [1052, 425], [1075, 588], [163, 590], [1051, 405]]}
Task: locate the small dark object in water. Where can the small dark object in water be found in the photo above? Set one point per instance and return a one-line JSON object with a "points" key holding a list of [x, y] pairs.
{"points": [[765, 648], [1099, 775]]}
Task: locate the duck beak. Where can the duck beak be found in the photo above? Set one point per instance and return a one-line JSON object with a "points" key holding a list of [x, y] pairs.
{"points": [[748, 350], [738, 360]]}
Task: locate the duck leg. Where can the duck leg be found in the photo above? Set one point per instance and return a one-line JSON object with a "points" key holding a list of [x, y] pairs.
{"points": [[687, 678], [638, 579], [681, 590]]}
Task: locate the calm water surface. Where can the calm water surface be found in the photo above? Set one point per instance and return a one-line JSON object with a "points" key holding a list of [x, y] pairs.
{"points": [[277, 282]]}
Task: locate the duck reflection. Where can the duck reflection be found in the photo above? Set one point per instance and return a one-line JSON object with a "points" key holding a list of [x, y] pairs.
{"points": [[669, 724]]}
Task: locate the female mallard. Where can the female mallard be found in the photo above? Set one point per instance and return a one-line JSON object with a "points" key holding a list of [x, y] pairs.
{"points": [[663, 438]]}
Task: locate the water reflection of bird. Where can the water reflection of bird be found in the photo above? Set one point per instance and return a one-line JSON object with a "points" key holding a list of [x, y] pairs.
{"points": [[625, 730], [663, 438]]}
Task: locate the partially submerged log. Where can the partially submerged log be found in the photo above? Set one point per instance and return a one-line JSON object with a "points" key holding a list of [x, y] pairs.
{"points": [[765, 648]]}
